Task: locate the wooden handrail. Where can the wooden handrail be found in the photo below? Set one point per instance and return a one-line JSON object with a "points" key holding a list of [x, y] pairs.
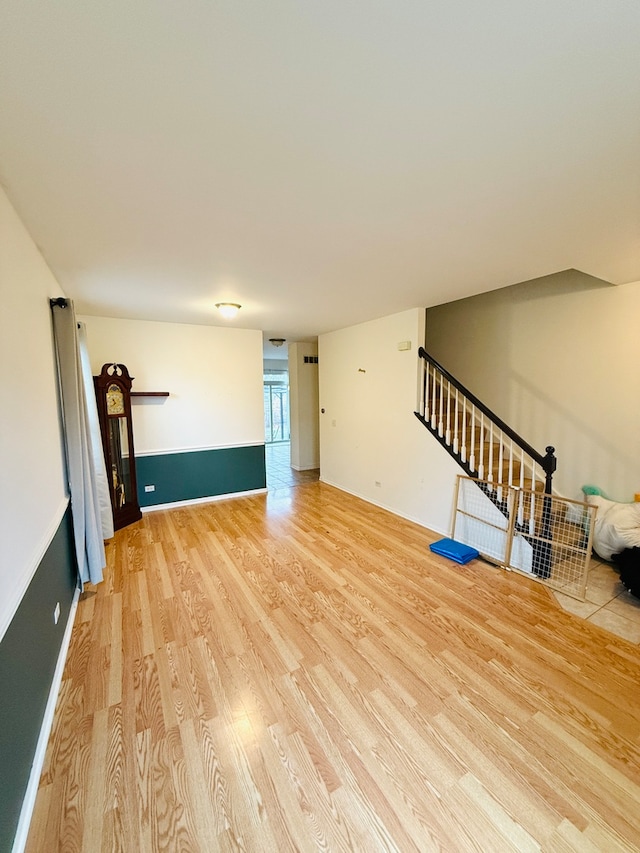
{"points": [[547, 461]]}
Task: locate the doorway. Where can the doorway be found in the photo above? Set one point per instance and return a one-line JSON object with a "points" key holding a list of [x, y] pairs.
{"points": [[277, 426], [290, 388]]}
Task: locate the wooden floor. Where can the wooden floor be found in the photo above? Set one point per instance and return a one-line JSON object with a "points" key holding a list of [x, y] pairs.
{"points": [[298, 672]]}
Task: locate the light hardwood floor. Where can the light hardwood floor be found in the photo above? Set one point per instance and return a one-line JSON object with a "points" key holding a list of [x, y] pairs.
{"points": [[298, 672]]}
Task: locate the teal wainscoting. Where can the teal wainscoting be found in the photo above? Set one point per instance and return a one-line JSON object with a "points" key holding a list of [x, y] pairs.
{"points": [[200, 474], [28, 656]]}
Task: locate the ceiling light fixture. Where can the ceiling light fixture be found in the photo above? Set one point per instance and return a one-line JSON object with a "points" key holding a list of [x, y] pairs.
{"points": [[228, 309], [277, 342]]}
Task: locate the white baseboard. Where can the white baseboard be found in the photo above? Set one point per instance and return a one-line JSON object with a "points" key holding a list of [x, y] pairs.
{"points": [[170, 451], [29, 801], [205, 500]]}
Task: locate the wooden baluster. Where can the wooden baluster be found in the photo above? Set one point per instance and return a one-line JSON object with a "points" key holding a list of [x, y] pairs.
{"points": [[532, 513], [533, 474], [500, 464], [520, 498], [463, 451], [510, 472], [456, 425], [490, 474], [481, 448], [427, 393], [472, 455], [440, 419], [434, 388], [448, 431]]}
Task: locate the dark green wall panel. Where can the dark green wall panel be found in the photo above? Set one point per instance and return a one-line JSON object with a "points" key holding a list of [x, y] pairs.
{"points": [[28, 655], [200, 474]]}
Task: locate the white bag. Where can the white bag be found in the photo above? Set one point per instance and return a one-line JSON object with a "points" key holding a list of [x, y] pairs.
{"points": [[617, 526]]}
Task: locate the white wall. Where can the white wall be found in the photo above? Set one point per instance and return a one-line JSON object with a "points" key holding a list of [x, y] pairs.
{"points": [[33, 494], [557, 358], [213, 375], [304, 408], [368, 432]]}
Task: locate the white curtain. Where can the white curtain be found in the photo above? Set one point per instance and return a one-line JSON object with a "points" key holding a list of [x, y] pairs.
{"points": [[102, 484], [81, 472]]}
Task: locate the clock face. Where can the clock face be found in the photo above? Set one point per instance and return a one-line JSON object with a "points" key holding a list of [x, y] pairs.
{"points": [[115, 400]]}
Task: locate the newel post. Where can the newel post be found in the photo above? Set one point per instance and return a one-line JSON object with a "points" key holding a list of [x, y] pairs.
{"points": [[549, 465]]}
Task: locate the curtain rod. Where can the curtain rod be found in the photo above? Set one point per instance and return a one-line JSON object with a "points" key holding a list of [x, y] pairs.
{"points": [[60, 302]]}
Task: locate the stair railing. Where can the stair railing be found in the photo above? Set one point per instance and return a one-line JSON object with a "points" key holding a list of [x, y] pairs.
{"points": [[483, 444], [490, 451]]}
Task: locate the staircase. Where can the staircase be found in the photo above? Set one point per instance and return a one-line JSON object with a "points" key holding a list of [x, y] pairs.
{"points": [[499, 460], [481, 442]]}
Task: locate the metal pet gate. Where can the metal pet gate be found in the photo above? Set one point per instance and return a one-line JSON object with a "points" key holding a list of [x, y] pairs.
{"points": [[544, 536]]}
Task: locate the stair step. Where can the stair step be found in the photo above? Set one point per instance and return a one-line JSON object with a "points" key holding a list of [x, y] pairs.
{"points": [[528, 489], [500, 473], [468, 444]]}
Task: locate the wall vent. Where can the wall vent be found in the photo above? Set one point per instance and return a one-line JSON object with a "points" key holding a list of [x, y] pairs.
{"points": [[311, 359]]}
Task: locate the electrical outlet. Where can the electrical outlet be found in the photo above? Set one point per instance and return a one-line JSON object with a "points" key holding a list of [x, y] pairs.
{"points": [[149, 488], [56, 613]]}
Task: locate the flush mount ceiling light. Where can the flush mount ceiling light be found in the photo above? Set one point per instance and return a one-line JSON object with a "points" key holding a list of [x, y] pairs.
{"points": [[277, 342], [228, 309]]}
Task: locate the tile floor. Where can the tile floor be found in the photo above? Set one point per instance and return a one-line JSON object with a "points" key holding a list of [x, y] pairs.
{"points": [[280, 474], [607, 604]]}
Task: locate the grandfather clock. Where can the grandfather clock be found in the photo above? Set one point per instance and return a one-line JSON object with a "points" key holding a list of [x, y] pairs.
{"points": [[113, 396]]}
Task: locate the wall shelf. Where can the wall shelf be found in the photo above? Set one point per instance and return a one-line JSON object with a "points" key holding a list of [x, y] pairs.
{"points": [[149, 393]]}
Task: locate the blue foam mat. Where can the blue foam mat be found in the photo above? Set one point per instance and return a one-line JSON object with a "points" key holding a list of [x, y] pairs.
{"points": [[455, 551]]}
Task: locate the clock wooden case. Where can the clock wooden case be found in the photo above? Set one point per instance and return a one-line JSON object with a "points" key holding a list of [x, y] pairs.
{"points": [[113, 396]]}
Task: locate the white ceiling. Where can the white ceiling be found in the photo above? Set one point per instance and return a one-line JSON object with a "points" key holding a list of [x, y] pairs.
{"points": [[322, 163]]}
